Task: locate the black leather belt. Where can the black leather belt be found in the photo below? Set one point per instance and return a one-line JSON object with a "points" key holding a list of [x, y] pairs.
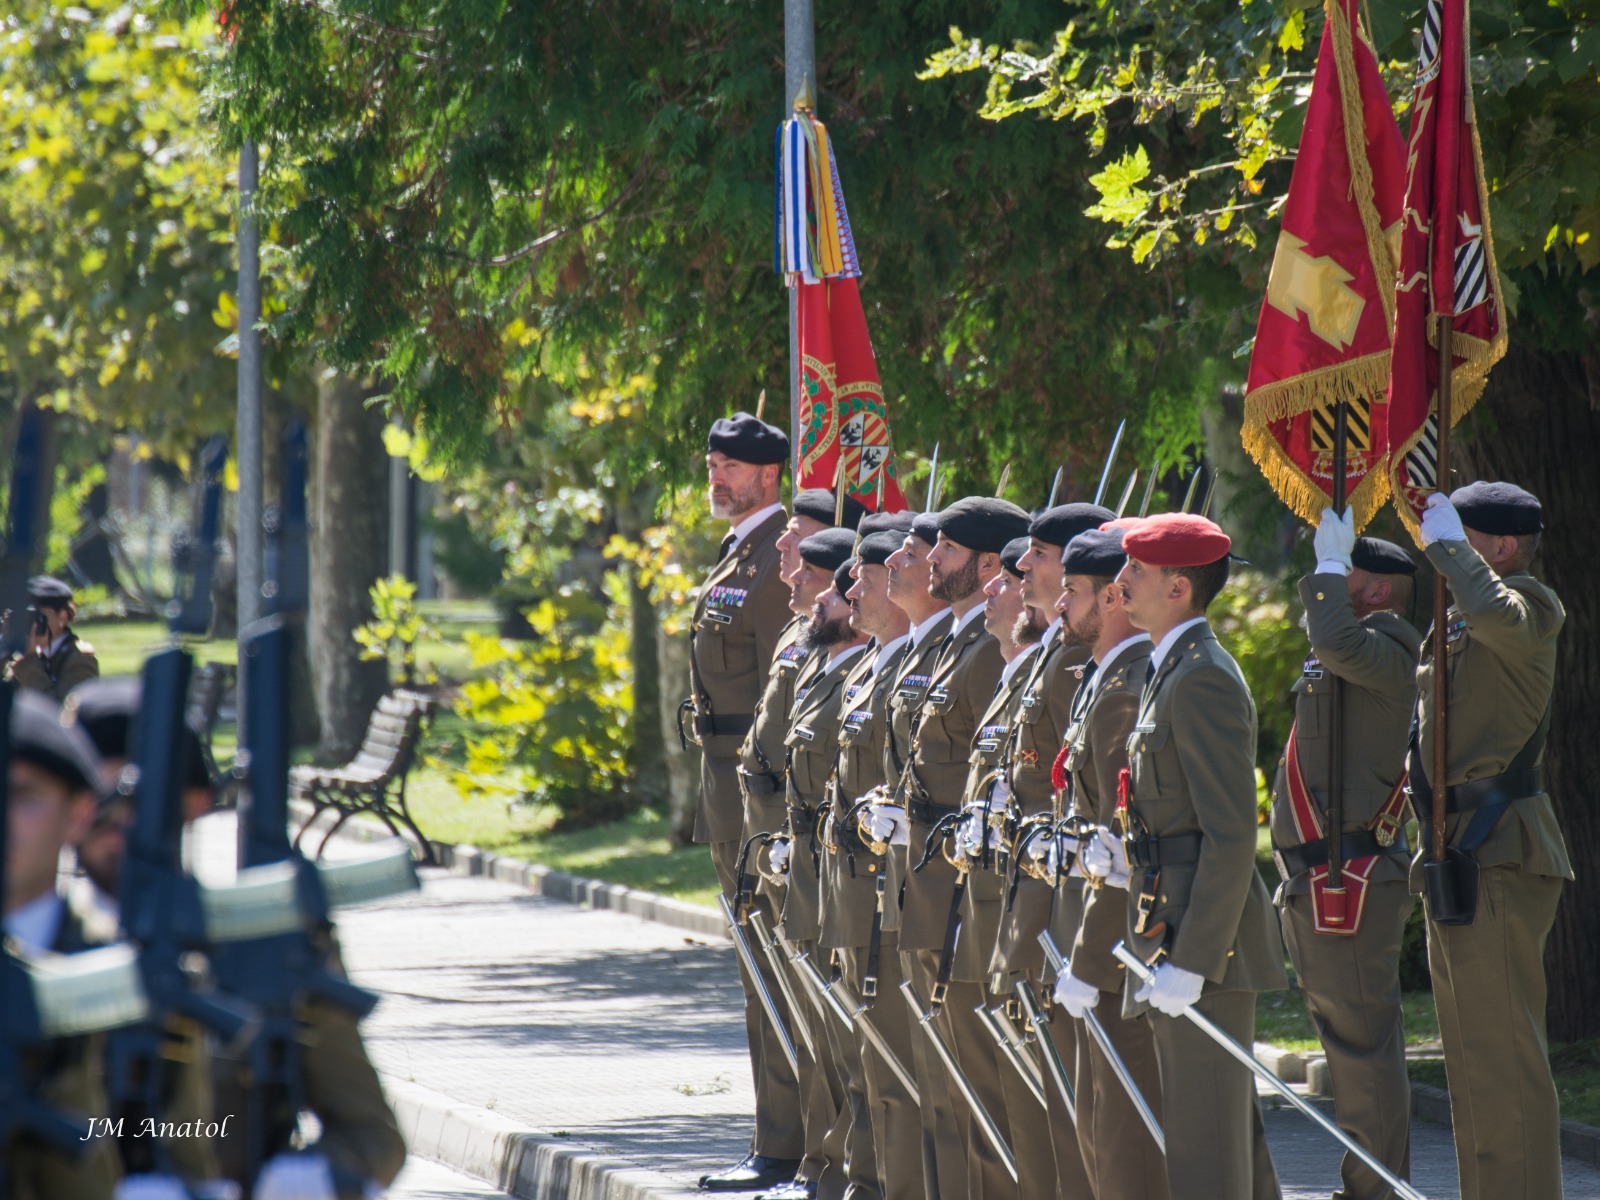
{"points": [[802, 819], [926, 812], [1164, 851], [1362, 843], [718, 725], [1480, 793], [760, 783]]}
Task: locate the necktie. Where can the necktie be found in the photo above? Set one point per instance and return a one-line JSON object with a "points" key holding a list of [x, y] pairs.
{"points": [[727, 545], [1085, 689]]}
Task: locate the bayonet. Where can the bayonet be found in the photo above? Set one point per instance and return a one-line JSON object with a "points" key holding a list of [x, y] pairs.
{"points": [[1127, 492], [938, 491], [1111, 458], [933, 480], [1005, 479], [1137, 968], [1211, 490], [1149, 488], [838, 490], [1194, 483], [761, 404], [1055, 488]]}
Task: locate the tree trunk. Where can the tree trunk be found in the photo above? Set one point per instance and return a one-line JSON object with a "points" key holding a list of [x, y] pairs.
{"points": [[651, 785], [1538, 425], [349, 549], [683, 766]]}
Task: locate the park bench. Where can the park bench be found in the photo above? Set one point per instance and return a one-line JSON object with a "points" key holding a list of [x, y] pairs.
{"points": [[374, 781]]}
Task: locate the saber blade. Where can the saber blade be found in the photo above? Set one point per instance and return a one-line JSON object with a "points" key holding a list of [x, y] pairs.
{"points": [[741, 947], [1025, 1068], [1047, 1044], [990, 1130]]}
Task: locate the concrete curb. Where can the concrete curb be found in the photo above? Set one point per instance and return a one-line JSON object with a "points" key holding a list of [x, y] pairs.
{"points": [[524, 1163]]}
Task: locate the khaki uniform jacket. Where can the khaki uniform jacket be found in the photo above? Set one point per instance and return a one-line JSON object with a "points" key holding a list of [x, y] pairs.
{"points": [[964, 680], [850, 900], [1193, 771], [57, 675], [1036, 739], [812, 746], [761, 753], [742, 608], [1097, 751], [1502, 650], [905, 706], [1376, 658], [985, 893]]}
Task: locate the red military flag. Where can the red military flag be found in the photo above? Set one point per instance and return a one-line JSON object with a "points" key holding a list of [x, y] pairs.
{"points": [[1447, 265], [1323, 334], [846, 425]]}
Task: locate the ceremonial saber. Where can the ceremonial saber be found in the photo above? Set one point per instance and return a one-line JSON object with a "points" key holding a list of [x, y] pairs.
{"points": [[1128, 959], [1111, 457], [1053, 954], [1029, 1072], [774, 952], [1052, 1056], [748, 959], [991, 1131]]}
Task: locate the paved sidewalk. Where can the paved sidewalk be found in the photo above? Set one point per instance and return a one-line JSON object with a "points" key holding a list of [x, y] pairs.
{"points": [[619, 1042]]}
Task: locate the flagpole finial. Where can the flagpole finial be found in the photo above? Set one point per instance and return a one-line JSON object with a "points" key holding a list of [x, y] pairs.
{"points": [[805, 100]]}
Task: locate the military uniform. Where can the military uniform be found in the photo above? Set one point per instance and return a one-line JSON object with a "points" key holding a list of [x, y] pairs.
{"points": [[1351, 981], [1488, 976], [56, 674], [854, 889], [1109, 1137], [1195, 893]]}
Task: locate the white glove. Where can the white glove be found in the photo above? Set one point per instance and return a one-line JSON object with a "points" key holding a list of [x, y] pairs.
{"points": [[1074, 995], [1171, 989], [150, 1187], [1441, 522], [1335, 541], [1104, 858], [295, 1177], [778, 856], [887, 823]]}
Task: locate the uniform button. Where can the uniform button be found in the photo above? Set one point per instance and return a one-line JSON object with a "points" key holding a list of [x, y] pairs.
{"points": [[1320, 596], [1451, 551], [1230, 953], [1309, 689]]}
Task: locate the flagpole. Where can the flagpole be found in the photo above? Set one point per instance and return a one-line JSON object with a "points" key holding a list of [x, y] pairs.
{"points": [[799, 90], [1441, 601], [1335, 887]]}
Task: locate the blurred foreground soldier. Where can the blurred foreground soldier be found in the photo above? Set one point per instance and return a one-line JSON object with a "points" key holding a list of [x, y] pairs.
{"points": [[1505, 845], [56, 661], [1348, 958], [1198, 912], [740, 613], [1109, 1137], [52, 775]]}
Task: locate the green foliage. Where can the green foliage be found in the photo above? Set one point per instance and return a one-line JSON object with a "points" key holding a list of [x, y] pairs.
{"points": [[556, 710], [397, 630], [1257, 619]]}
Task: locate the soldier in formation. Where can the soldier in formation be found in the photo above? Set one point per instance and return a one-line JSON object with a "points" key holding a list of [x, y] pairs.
{"points": [[1031, 728]]}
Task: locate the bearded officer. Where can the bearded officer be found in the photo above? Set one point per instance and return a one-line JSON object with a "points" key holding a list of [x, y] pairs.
{"points": [[1114, 1143], [854, 889], [738, 617], [810, 743], [1345, 944], [943, 1155], [972, 533], [1488, 973], [1016, 629], [1198, 912]]}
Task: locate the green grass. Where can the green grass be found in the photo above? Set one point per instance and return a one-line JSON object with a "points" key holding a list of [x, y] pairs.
{"points": [[1575, 1065], [1281, 1019]]}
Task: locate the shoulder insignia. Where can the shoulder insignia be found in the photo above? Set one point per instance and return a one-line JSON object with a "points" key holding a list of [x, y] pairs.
{"points": [[1027, 758], [751, 570]]}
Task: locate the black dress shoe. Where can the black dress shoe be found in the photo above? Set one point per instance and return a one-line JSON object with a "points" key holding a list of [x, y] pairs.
{"points": [[795, 1189], [756, 1173]]}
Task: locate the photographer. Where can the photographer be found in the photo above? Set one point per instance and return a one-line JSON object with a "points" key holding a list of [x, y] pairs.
{"points": [[55, 661]]}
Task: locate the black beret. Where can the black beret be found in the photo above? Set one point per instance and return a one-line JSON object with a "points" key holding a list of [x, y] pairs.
{"points": [[748, 439], [1381, 557], [983, 523], [49, 591], [1094, 552], [881, 522], [40, 735], [926, 526], [818, 504], [1012, 555], [1059, 525], [875, 548], [108, 709], [828, 548], [1500, 509], [841, 576]]}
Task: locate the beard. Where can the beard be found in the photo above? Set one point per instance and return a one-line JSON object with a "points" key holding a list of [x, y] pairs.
{"points": [[729, 505], [1082, 633], [953, 589], [1030, 626], [822, 631]]}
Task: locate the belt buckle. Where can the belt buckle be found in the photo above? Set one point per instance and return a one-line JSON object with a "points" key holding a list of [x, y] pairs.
{"points": [[1386, 830], [1146, 903]]}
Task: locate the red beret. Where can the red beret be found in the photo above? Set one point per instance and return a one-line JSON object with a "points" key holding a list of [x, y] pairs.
{"points": [[1122, 523], [1176, 540]]}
